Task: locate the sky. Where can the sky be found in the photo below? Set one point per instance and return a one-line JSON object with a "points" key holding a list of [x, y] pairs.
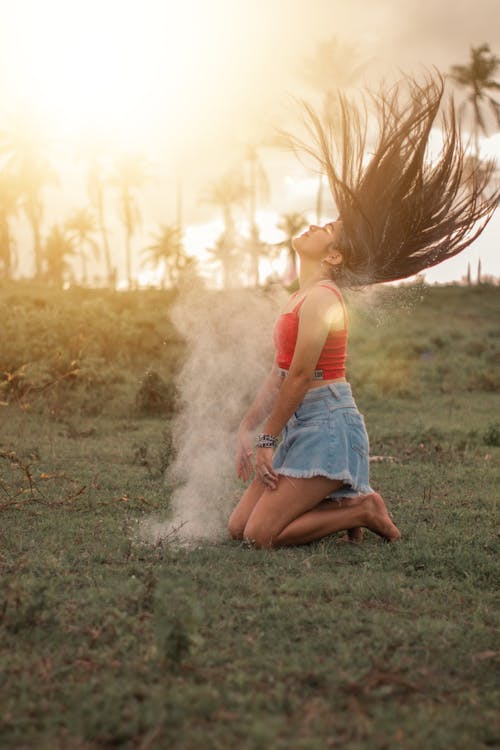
{"points": [[191, 84]]}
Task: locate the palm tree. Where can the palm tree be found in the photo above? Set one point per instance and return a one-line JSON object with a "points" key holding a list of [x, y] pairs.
{"points": [[258, 189], [228, 191], [291, 224], [130, 175], [168, 249], [25, 154], [478, 78], [95, 191], [58, 246], [255, 249], [9, 202], [225, 255], [81, 226], [335, 66]]}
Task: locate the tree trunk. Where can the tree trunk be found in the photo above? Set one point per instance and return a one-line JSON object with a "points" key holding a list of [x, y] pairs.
{"points": [[255, 245], [5, 247], [37, 244], [228, 246], [104, 233], [37, 249], [129, 229], [83, 260], [33, 210], [128, 250], [255, 269], [226, 265]]}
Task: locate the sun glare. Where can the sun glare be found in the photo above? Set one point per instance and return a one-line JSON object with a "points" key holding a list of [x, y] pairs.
{"points": [[186, 85], [99, 68]]}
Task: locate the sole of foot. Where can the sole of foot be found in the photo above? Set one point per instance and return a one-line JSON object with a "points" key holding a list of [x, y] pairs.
{"points": [[379, 520]]}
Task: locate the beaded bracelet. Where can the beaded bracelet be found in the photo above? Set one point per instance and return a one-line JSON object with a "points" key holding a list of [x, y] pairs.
{"points": [[266, 441]]}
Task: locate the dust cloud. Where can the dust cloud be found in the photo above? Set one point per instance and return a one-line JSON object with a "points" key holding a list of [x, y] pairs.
{"points": [[380, 302], [229, 352]]}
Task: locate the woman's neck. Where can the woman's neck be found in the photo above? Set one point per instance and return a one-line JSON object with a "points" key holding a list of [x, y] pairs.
{"points": [[310, 274]]}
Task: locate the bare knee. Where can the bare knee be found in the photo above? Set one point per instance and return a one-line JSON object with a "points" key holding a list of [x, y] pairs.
{"points": [[235, 526], [258, 535]]}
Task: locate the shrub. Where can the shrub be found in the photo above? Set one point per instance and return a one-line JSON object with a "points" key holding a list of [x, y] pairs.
{"points": [[492, 435], [155, 396], [485, 380]]}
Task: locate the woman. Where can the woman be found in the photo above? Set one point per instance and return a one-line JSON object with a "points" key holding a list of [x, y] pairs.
{"points": [[400, 214]]}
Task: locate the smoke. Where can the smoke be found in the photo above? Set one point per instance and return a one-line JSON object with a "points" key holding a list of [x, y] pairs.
{"points": [[229, 352]]}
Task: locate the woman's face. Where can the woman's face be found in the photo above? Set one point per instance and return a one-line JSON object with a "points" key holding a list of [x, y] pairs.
{"points": [[317, 241]]}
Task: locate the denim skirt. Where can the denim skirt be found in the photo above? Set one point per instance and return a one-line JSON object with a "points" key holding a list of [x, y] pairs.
{"points": [[327, 437]]}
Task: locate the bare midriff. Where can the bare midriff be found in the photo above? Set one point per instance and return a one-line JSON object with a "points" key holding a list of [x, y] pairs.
{"points": [[331, 362], [319, 383]]}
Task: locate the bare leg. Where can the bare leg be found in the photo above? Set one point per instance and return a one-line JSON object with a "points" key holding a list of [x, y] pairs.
{"points": [[370, 513], [354, 535], [241, 513], [294, 515]]}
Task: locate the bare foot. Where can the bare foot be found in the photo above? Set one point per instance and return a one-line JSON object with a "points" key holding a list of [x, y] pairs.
{"points": [[352, 536], [355, 535], [378, 519]]}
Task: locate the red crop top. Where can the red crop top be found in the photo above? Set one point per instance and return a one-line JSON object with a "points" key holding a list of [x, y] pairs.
{"points": [[332, 358]]}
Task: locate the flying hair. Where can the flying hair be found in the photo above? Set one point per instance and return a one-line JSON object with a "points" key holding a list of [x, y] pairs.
{"points": [[401, 211]]}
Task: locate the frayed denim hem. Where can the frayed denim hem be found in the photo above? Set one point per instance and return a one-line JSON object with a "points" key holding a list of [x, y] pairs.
{"points": [[351, 490]]}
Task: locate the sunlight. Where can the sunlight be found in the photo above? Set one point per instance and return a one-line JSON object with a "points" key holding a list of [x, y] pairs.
{"points": [[197, 237], [93, 68], [490, 147], [151, 277], [304, 187], [186, 86]]}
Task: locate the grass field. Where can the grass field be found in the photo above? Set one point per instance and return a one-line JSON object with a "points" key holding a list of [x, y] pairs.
{"points": [[109, 643]]}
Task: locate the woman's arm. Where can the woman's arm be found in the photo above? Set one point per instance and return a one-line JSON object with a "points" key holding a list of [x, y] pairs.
{"points": [[258, 411], [320, 312], [264, 400]]}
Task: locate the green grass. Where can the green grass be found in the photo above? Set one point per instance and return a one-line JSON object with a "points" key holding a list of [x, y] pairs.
{"points": [[108, 643]]}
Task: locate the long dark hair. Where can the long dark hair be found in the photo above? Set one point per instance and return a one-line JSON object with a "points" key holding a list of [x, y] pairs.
{"points": [[401, 211]]}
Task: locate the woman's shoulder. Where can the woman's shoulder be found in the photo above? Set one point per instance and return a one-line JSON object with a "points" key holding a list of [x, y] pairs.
{"points": [[326, 301], [323, 293], [326, 291], [331, 285]]}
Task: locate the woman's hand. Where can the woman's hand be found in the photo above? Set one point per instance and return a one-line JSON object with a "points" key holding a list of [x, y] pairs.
{"points": [[244, 453], [264, 468]]}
